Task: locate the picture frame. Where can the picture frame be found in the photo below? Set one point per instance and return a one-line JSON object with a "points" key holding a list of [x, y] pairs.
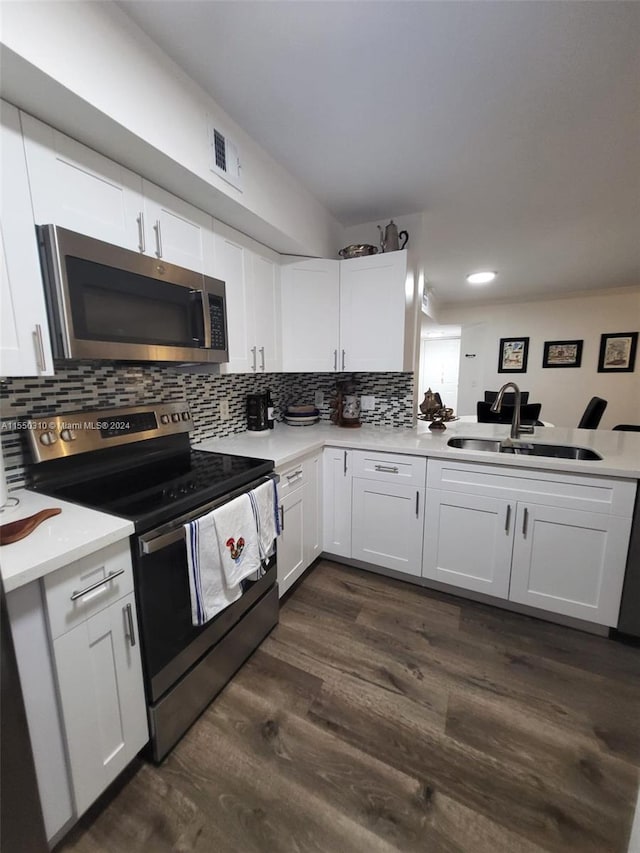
{"points": [[562, 354], [617, 352], [513, 355]]}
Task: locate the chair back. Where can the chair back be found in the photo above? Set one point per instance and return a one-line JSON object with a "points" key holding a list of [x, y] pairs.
{"points": [[593, 413], [529, 414], [509, 397], [628, 427]]}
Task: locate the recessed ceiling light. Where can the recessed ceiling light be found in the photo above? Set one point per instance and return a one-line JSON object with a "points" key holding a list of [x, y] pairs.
{"points": [[481, 277]]}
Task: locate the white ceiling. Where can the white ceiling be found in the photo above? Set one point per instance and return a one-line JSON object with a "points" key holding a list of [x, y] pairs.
{"points": [[515, 126]]}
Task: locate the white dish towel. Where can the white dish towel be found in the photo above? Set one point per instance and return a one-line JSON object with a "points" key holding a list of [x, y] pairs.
{"points": [[222, 550], [264, 500]]}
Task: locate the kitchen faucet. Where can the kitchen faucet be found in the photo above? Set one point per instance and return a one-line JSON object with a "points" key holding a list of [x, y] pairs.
{"points": [[516, 426]]}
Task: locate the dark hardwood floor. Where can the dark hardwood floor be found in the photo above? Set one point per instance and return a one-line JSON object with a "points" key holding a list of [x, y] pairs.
{"points": [[379, 716]]}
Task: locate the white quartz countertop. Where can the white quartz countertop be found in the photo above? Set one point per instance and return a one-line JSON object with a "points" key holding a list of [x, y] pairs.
{"points": [[74, 533], [620, 450]]}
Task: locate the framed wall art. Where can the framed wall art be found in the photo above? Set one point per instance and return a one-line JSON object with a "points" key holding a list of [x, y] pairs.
{"points": [[618, 352], [513, 354], [562, 354]]}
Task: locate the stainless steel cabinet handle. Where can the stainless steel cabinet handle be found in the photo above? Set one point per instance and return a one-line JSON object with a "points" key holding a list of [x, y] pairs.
{"points": [[156, 228], [388, 469], [262, 359], [281, 519], [142, 245], [129, 614], [295, 475], [40, 357], [344, 470], [335, 359], [254, 351], [417, 504], [525, 522], [507, 520], [343, 359], [111, 576]]}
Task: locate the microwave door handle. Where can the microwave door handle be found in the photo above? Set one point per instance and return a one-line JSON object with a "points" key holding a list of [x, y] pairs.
{"points": [[200, 308]]}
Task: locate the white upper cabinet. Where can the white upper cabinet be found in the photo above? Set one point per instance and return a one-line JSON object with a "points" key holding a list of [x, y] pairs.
{"points": [[372, 312], [79, 189], [252, 276], [179, 233], [25, 349], [344, 315], [265, 280], [75, 187], [310, 314]]}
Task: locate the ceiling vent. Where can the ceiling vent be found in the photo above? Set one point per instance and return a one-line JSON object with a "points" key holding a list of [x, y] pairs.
{"points": [[224, 157]]}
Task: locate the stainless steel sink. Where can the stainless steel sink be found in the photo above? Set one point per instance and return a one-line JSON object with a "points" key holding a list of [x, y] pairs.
{"points": [[475, 444], [555, 451]]}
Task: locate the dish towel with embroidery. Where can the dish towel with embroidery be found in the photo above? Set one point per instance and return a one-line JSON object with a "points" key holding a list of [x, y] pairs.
{"points": [[222, 549]]}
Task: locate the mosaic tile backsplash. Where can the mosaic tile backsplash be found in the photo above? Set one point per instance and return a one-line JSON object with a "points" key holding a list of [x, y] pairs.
{"points": [[83, 386]]}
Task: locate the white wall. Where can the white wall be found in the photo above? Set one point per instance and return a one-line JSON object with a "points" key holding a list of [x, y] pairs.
{"points": [[563, 392], [88, 70]]}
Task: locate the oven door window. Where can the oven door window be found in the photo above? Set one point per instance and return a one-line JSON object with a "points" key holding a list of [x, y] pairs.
{"points": [[119, 306]]}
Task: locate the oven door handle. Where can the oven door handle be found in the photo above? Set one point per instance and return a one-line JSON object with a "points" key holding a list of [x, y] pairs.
{"points": [[154, 541], [157, 543]]}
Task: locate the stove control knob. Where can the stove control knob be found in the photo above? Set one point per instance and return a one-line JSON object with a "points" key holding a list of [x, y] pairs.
{"points": [[186, 416], [164, 419], [175, 417], [68, 435], [48, 438]]}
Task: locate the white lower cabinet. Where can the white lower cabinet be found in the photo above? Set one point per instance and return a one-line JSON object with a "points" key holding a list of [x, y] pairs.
{"points": [[96, 651], [529, 536], [569, 561], [300, 540], [290, 542], [468, 541], [374, 507], [387, 525], [337, 501], [100, 682]]}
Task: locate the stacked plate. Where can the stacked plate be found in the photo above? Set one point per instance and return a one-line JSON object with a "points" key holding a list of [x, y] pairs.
{"points": [[303, 415]]}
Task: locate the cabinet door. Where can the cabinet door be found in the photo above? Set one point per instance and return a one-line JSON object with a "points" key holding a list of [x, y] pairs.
{"points": [[102, 698], [468, 541], [570, 561], [337, 501], [291, 562], [176, 231], [25, 349], [372, 312], [232, 261], [265, 304], [312, 508], [387, 525], [310, 315], [77, 188]]}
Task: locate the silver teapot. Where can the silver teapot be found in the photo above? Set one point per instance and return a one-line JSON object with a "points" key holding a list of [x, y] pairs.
{"points": [[390, 238]]}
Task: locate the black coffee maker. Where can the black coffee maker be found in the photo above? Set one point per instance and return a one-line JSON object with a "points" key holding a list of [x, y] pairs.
{"points": [[259, 411]]}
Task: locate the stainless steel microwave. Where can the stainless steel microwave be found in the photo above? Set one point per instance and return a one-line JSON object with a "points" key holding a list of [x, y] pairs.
{"points": [[109, 303]]}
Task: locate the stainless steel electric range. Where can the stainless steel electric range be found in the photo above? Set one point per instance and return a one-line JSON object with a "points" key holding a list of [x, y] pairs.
{"points": [[137, 463]]}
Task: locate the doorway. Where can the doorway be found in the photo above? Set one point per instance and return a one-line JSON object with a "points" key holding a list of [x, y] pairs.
{"points": [[440, 366]]}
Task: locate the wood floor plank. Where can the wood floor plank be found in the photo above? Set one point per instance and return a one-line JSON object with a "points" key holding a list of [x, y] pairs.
{"points": [[513, 797], [380, 716]]}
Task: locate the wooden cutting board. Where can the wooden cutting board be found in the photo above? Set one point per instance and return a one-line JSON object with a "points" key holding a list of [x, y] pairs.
{"points": [[16, 530]]}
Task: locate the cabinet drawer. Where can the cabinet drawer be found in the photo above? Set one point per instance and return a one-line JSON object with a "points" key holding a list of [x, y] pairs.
{"points": [[292, 477], [390, 467], [552, 488], [66, 608]]}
